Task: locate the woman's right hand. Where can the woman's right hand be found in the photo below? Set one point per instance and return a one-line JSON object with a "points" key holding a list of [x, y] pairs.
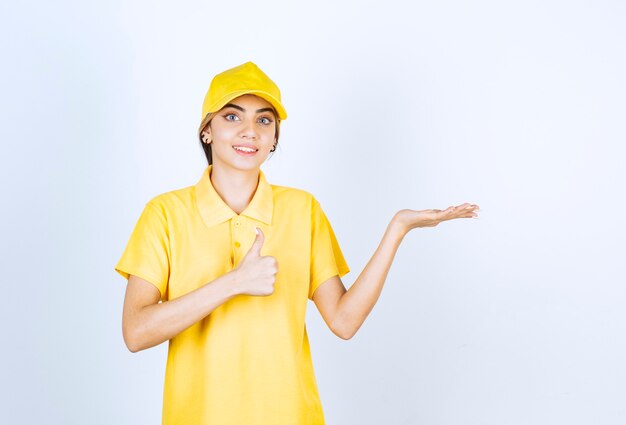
{"points": [[256, 274]]}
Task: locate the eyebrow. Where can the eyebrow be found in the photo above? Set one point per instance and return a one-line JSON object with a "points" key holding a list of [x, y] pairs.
{"points": [[232, 105]]}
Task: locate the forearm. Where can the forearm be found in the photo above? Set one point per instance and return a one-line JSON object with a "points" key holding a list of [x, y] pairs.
{"points": [[356, 304], [157, 323]]}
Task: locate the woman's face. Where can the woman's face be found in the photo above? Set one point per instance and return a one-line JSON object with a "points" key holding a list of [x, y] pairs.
{"points": [[242, 133]]}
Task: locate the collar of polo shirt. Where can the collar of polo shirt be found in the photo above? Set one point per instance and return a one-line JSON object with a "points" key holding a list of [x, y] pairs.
{"points": [[214, 210]]}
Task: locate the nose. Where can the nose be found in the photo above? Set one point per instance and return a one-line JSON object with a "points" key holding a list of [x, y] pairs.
{"points": [[248, 130]]}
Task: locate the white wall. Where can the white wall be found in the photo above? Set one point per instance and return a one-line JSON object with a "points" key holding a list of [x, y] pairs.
{"points": [[514, 318]]}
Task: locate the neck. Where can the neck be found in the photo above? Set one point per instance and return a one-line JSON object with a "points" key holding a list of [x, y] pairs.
{"points": [[235, 187]]}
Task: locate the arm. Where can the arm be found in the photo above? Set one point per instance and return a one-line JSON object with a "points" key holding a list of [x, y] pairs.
{"points": [[345, 311], [146, 323]]}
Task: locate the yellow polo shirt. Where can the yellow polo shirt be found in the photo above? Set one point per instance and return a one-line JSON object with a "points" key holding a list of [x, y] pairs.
{"points": [[248, 362]]}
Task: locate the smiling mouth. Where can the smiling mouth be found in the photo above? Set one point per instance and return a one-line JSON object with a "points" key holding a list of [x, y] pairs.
{"points": [[245, 149]]}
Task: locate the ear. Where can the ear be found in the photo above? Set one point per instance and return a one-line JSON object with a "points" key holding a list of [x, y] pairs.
{"points": [[206, 136]]}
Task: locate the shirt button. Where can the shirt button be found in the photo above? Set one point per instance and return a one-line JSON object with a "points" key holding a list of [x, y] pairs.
{"points": [[237, 223], [237, 244]]}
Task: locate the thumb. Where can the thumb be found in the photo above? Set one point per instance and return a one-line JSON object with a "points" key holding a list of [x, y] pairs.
{"points": [[255, 249]]}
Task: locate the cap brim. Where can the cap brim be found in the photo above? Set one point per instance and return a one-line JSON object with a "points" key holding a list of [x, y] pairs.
{"points": [[282, 113]]}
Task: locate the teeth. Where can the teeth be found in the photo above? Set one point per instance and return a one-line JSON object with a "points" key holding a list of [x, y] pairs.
{"points": [[244, 149]]}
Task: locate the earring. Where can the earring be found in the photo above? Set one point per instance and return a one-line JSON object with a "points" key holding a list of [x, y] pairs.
{"points": [[273, 147]]}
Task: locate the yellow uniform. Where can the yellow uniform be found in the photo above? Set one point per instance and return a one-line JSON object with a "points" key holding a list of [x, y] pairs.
{"points": [[248, 362]]}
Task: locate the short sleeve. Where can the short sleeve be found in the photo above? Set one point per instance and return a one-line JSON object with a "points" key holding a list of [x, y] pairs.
{"points": [[147, 253], [327, 260]]}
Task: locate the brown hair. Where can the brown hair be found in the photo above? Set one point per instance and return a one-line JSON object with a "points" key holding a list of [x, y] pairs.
{"points": [[206, 147]]}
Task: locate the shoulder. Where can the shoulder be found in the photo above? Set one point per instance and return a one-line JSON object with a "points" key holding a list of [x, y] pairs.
{"points": [[173, 200], [293, 196]]}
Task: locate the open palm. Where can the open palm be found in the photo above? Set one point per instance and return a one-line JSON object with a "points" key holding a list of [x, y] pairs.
{"points": [[430, 218]]}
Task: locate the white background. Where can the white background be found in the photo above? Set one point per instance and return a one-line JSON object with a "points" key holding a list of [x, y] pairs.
{"points": [[519, 106]]}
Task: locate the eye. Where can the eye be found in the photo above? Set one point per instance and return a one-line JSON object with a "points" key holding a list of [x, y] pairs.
{"points": [[265, 120], [231, 117]]}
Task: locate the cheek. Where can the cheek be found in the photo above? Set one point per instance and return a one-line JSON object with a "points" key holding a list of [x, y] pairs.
{"points": [[223, 134], [270, 132]]}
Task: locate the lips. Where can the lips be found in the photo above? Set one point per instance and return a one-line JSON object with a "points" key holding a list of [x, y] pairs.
{"points": [[245, 149]]}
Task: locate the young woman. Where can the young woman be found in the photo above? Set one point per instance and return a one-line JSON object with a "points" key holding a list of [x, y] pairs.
{"points": [[233, 260]]}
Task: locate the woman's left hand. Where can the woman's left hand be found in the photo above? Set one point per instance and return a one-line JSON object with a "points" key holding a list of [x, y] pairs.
{"points": [[410, 219]]}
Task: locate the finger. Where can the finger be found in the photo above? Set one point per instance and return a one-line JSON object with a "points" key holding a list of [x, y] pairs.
{"points": [[453, 212], [255, 249], [449, 212], [469, 207], [468, 213], [471, 211], [463, 210]]}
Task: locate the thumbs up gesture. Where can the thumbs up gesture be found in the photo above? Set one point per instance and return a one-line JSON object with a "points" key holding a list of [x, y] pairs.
{"points": [[256, 274]]}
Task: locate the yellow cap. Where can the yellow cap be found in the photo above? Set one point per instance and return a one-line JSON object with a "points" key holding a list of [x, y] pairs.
{"points": [[240, 80]]}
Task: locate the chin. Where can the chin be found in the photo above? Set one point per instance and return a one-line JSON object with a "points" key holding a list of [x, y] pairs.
{"points": [[242, 164]]}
